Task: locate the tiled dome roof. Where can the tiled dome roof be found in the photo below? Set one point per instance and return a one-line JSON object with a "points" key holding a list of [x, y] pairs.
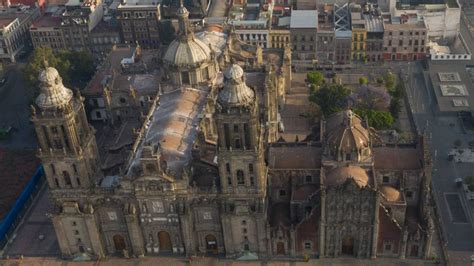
{"points": [[53, 93], [390, 193], [346, 133], [187, 53], [338, 176]]}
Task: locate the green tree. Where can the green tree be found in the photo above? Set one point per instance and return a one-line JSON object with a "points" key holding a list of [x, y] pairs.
{"points": [[76, 68], [331, 98], [36, 64], [315, 77], [390, 80], [377, 119], [363, 81]]}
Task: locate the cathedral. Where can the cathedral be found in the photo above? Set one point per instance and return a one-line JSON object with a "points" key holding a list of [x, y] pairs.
{"points": [[209, 173]]}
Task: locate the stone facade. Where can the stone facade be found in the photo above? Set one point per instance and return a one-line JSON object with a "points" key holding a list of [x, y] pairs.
{"points": [[206, 175]]}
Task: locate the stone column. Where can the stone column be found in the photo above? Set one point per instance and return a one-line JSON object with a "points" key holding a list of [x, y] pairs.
{"points": [[227, 235], [94, 235], [187, 233], [322, 223], [261, 235], [135, 234], [375, 227], [403, 244], [292, 242], [61, 235]]}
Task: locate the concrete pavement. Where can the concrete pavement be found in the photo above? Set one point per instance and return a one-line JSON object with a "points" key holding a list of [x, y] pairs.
{"points": [[442, 132], [15, 112]]}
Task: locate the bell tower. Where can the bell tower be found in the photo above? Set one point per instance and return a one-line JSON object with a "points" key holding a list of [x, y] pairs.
{"points": [[67, 145], [241, 164], [240, 141]]}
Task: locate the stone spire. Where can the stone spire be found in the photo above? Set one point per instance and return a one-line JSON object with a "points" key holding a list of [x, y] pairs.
{"points": [[185, 32]]}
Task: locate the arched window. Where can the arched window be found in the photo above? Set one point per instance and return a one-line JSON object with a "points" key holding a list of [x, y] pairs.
{"points": [[67, 178], [78, 181], [240, 177], [56, 182], [53, 169]]}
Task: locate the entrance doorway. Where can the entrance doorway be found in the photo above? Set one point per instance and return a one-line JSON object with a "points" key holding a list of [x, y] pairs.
{"points": [[414, 251], [211, 244], [119, 243], [280, 248], [348, 245], [165, 241]]}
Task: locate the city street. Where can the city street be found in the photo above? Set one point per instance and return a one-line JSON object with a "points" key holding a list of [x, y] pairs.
{"points": [[456, 213], [15, 112]]}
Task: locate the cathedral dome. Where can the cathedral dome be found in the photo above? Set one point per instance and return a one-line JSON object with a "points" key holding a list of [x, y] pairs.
{"points": [[186, 50], [187, 53], [235, 92], [53, 93], [338, 176], [345, 133], [390, 193]]}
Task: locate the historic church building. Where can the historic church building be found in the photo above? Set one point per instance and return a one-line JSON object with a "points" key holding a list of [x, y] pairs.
{"points": [[208, 172]]}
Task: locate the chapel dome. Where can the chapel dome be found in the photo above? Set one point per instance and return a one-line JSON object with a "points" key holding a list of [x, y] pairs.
{"points": [[235, 92], [338, 176], [53, 93], [345, 133], [390, 193], [186, 50]]}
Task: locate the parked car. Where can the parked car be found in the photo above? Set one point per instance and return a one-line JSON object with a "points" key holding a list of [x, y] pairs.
{"points": [[3, 81]]}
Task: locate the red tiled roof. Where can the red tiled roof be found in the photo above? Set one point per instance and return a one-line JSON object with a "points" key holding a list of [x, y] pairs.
{"points": [[6, 21]]}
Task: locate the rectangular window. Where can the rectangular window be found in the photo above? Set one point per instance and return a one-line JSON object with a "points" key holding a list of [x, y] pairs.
{"points": [[309, 179], [236, 128], [282, 193], [227, 135], [409, 194], [252, 180], [247, 135], [244, 230], [229, 181], [385, 179], [250, 168], [227, 167], [76, 232], [307, 245]]}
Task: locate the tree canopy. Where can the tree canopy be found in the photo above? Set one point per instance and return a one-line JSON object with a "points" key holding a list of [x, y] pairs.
{"points": [[76, 68], [377, 119], [363, 80], [370, 97], [315, 77], [330, 97]]}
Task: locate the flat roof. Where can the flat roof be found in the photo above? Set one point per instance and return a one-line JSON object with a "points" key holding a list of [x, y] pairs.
{"points": [[47, 21], [304, 19], [4, 22], [452, 95]]}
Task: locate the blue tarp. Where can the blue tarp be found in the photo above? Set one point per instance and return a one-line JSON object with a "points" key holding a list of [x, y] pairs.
{"points": [[12, 215]]}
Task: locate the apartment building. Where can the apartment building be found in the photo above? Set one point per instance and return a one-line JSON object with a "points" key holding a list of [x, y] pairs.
{"points": [[251, 20], [279, 35], [15, 21], [325, 40], [405, 40], [139, 22], [303, 29], [46, 31], [78, 20]]}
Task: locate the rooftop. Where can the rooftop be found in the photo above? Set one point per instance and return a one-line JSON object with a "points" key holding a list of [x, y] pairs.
{"points": [[47, 21], [399, 157], [4, 22], [173, 125], [294, 157], [304, 19], [139, 3]]}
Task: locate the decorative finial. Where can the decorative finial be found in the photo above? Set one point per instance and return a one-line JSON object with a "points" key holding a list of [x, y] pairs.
{"points": [[181, 3], [45, 63]]}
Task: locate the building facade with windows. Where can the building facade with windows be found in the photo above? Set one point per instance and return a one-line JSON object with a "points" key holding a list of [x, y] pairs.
{"points": [[207, 174], [405, 41], [139, 22]]}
